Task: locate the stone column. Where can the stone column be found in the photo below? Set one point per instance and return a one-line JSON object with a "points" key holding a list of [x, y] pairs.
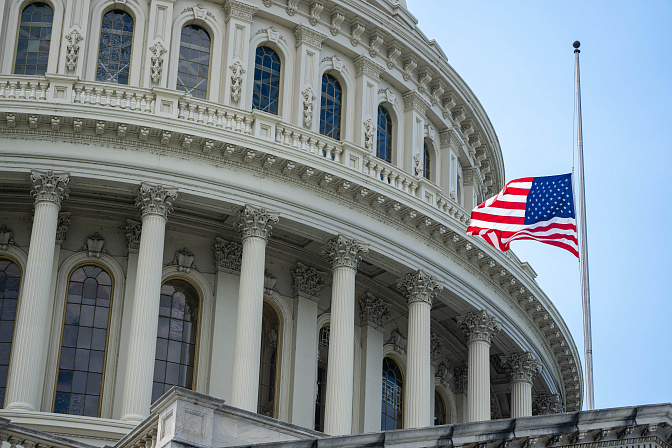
{"points": [[255, 226], [155, 203], [420, 290], [522, 368], [479, 328], [32, 320], [344, 255]]}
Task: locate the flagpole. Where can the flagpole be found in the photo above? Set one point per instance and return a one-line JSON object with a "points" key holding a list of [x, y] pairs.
{"points": [[583, 247]]}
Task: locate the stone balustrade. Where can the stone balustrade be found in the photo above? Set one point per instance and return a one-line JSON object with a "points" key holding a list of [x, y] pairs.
{"points": [[16, 436]]}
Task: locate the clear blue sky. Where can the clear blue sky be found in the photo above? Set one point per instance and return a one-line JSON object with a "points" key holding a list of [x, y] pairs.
{"points": [[517, 57]]}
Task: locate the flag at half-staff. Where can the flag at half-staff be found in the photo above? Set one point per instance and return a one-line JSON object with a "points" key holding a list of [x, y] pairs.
{"points": [[531, 208]]}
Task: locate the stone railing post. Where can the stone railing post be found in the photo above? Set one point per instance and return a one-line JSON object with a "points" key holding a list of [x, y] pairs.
{"points": [[522, 368]]}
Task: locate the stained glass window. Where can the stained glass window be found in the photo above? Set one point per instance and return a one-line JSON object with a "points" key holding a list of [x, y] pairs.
{"points": [[176, 337], [426, 162], [439, 409], [384, 146], [114, 52], [393, 392], [322, 360], [84, 342], [192, 71], [10, 282], [268, 365], [330, 109], [32, 48], [266, 92]]}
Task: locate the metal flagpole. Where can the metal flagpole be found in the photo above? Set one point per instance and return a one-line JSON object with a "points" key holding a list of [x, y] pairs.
{"points": [[583, 248]]}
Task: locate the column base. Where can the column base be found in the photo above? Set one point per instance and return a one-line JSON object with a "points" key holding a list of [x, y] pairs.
{"points": [[20, 407]]}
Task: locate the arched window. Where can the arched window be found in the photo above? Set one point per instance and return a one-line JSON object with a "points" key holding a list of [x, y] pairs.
{"points": [[176, 337], [266, 92], [32, 47], [10, 282], [84, 342], [439, 409], [393, 393], [114, 52], [426, 162], [268, 363], [322, 359], [194, 64], [384, 146], [330, 109]]}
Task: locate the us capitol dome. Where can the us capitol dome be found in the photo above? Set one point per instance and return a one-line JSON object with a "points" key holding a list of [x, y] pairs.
{"points": [[263, 203]]}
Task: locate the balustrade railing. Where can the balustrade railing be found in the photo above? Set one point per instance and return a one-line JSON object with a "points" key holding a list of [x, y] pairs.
{"points": [[17, 88], [216, 115], [113, 96], [307, 141]]}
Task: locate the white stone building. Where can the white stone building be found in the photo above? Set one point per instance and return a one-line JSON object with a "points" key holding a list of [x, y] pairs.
{"points": [[261, 201]]}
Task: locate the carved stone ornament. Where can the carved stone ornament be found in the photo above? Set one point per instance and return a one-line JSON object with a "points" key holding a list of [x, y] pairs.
{"points": [[269, 280], [398, 340], [344, 252], [94, 245], [308, 99], [495, 411], [73, 38], [49, 186], [547, 404], [256, 222], [390, 97], [307, 35], [417, 166], [6, 237], [228, 254], [522, 366], [444, 373], [369, 134], [157, 60], [155, 200], [307, 280], [62, 226], [419, 287], [435, 346], [372, 310], [133, 232], [479, 325], [241, 10], [237, 71], [184, 260], [461, 378], [315, 10]]}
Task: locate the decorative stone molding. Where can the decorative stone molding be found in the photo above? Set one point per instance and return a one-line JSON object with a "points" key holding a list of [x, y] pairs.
{"points": [[62, 226], [306, 35], [417, 166], [239, 10], [272, 34], [369, 135], [393, 52], [256, 222], [337, 18], [398, 341], [269, 280], [495, 411], [228, 254], [521, 366], [356, 30], [72, 54], [157, 60], [308, 281], [155, 200], [413, 100], [184, 260], [49, 186], [547, 404], [461, 378], [435, 346], [419, 287], [445, 138], [133, 233], [336, 64], [199, 12], [308, 99], [237, 72], [6, 237], [94, 245], [292, 7], [409, 65], [315, 11], [376, 39], [390, 97], [344, 252], [372, 310], [444, 374], [365, 66], [479, 325]]}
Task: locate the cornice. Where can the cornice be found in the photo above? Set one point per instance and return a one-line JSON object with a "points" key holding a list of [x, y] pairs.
{"points": [[307, 35]]}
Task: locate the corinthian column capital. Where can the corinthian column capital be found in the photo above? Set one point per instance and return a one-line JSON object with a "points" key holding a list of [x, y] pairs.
{"points": [[155, 200], [479, 325], [419, 287], [253, 221], [49, 186], [344, 252], [522, 366]]}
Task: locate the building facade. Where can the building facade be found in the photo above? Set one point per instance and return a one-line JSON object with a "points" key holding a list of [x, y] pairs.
{"points": [[261, 201]]}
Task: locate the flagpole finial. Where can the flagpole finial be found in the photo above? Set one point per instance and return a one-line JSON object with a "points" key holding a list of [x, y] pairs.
{"points": [[576, 46]]}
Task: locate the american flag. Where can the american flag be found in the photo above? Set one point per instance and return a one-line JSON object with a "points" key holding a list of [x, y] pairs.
{"points": [[531, 208]]}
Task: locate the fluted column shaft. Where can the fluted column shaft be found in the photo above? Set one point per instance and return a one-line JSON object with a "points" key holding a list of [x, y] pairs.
{"points": [[255, 226], [521, 399], [522, 368], [25, 370], [344, 255], [155, 203], [420, 292]]}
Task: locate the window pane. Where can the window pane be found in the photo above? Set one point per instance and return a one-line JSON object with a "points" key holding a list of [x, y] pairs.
{"points": [[266, 91], [32, 49], [322, 365], [392, 405], [426, 162], [384, 146], [194, 62], [330, 110], [10, 282], [268, 368], [116, 32]]}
